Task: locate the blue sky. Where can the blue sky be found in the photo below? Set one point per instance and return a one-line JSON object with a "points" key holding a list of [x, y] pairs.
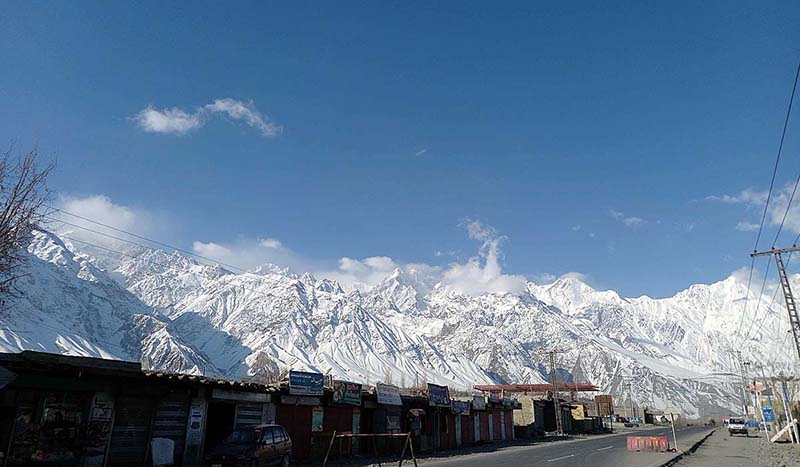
{"points": [[396, 124]]}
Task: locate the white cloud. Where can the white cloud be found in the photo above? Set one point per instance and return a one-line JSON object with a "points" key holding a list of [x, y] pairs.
{"points": [[576, 275], [248, 253], [748, 196], [421, 151], [633, 222], [755, 200], [483, 273], [479, 274], [168, 121], [73, 211], [629, 221], [576, 228], [247, 112], [592, 235], [177, 121], [544, 278], [744, 226], [361, 273], [271, 243]]}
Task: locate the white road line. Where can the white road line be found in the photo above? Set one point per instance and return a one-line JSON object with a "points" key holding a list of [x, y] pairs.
{"points": [[559, 458], [603, 449]]}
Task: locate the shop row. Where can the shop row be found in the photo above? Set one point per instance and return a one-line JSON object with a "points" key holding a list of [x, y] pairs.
{"points": [[60, 410]]}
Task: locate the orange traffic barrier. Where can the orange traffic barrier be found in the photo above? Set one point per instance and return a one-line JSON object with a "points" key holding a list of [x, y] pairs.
{"points": [[648, 443]]}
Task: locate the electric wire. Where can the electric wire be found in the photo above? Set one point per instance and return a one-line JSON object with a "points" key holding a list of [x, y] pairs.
{"points": [[758, 303], [114, 237], [762, 322], [778, 157], [769, 197]]}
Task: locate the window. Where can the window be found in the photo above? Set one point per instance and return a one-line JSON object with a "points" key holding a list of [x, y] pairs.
{"points": [[278, 434], [266, 437], [286, 435], [242, 436]]}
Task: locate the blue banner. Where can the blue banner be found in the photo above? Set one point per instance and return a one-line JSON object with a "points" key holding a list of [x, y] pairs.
{"points": [[302, 383], [769, 414]]}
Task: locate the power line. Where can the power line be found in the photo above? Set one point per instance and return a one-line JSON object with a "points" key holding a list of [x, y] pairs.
{"points": [[769, 197], [746, 300], [758, 303], [778, 157], [137, 236], [761, 323]]}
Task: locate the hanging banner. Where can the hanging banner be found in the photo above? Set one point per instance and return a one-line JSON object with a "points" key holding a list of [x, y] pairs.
{"points": [[478, 403], [769, 414], [460, 407], [438, 396], [388, 394], [345, 392], [317, 418], [302, 383]]}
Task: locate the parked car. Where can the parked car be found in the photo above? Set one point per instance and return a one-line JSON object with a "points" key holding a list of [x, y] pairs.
{"points": [[254, 446], [737, 426]]}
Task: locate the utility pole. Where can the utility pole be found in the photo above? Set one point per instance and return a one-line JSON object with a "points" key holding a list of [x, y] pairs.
{"points": [[556, 402], [746, 371], [757, 407], [630, 399], [787, 405], [743, 381], [794, 321], [769, 391]]}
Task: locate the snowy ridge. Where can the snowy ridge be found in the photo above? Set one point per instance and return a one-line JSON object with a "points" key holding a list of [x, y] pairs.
{"points": [[173, 313]]}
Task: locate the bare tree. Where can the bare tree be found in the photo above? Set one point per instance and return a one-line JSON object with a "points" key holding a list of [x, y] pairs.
{"points": [[23, 197]]}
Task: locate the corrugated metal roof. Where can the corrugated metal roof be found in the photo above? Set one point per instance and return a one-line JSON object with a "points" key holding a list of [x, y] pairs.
{"points": [[535, 387], [209, 381]]}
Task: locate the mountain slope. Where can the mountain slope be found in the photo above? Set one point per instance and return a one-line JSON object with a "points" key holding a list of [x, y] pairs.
{"points": [[173, 313]]}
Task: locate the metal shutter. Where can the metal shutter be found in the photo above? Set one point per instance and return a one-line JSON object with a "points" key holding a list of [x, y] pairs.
{"points": [[131, 433], [249, 414], [172, 418]]}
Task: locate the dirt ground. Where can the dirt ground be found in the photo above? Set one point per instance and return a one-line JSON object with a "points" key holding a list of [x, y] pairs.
{"points": [[730, 451]]}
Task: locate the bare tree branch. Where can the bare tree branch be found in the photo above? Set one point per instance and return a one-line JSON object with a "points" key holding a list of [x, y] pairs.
{"points": [[23, 198]]}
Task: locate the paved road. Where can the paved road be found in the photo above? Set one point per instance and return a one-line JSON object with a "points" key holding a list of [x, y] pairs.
{"points": [[599, 451]]}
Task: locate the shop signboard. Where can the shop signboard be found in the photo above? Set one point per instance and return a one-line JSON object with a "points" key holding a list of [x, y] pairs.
{"points": [[346, 392], [392, 423], [303, 383], [388, 394], [317, 417], [460, 407], [478, 402], [438, 396], [769, 414], [605, 405]]}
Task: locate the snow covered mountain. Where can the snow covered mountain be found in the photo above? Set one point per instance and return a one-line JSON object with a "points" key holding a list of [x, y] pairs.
{"points": [[174, 313]]}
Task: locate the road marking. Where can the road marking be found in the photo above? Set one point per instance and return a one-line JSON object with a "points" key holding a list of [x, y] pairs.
{"points": [[559, 458], [603, 449]]}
